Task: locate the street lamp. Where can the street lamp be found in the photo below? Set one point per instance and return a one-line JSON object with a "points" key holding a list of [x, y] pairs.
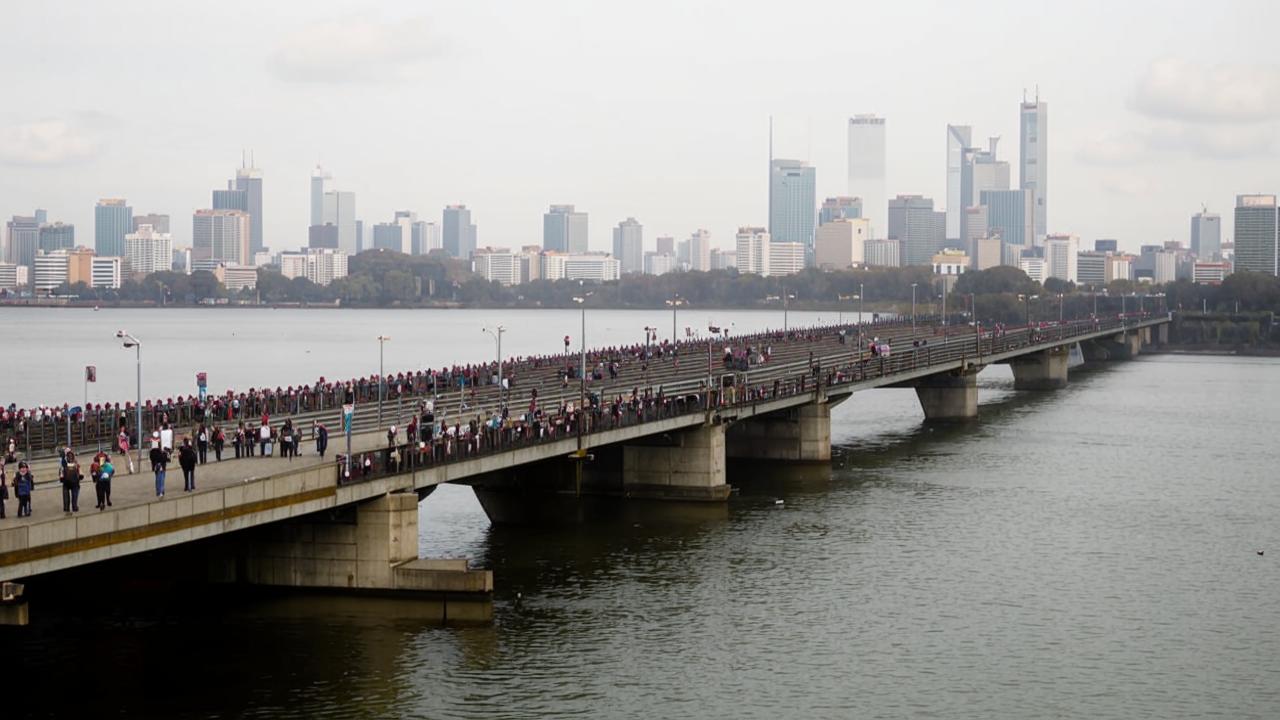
{"points": [[861, 295], [133, 342], [382, 379], [913, 308], [1060, 302], [675, 302], [582, 391], [497, 335]]}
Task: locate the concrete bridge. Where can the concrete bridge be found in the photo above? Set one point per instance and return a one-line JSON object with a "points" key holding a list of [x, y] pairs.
{"points": [[306, 522]]}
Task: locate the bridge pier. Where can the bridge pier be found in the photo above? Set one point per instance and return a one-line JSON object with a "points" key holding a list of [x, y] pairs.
{"points": [[370, 547], [685, 465], [801, 434], [1045, 370], [950, 396]]}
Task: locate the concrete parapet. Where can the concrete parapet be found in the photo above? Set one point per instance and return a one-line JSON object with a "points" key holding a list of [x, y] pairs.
{"points": [[950, 396], [1045, 370]]}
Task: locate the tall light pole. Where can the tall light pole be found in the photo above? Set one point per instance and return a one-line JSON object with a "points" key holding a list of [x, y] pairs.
{"points": [[913, 307], [861, 296], [497, 335], [582, 391], [784, 307], [675, 302], [382, 379], [133, 342], [1060, 303]]}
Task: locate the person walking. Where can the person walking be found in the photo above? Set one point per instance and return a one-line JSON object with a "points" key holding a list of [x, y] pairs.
{"points": [[187, 461], [322, 439], [159, 460], [106, 472], [123, 442], [219, 441], [202, 443], [95, 476], [23, 484], [264, 438]]}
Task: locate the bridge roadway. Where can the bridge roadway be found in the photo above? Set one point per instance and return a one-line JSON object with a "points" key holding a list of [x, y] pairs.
{"points": [[673, 449]]}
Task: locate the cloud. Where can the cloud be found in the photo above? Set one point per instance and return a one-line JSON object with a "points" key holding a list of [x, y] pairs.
{"points": [[355, 51], [45, 143], [1159, 141], [1176, 89]]}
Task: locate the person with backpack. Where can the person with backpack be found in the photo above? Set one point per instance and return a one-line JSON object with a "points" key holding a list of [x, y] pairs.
{"points": [[322, 439], [219, 441], [187, 461], [71, 477], [105, 474], [202, 443], [23, 484]]}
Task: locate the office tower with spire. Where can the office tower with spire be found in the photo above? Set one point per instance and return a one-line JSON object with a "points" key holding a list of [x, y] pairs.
{"points": [[959, 139], [112, 220], [628, 245], [249, 179], [867, 169], [1033, 160]]}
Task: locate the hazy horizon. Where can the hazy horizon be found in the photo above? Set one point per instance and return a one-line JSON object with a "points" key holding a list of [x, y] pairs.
{"points": [[658, 111]]}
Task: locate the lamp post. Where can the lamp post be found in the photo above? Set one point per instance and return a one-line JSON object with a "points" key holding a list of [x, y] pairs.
{"points": [[1060, 303], [133, 342], [382, 380], [784, 309], [861, 296], [497, 335], [675, 302], [582, 391], [913, 308]]}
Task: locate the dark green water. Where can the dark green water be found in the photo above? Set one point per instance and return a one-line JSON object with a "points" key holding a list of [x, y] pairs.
{"points": [[1087, 553]]}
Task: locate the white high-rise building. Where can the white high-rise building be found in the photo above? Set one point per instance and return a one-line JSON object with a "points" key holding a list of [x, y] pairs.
{"points": [[147, 251], [867, 169], [884, 253], [50, 270], [105, 272], [498, 265], [753, 247], [1061, 257], [1206, 235], [700, 251], [221, 235], [786, 258], [659, 263], [628, 245], [959, 138], [1033, 165]]}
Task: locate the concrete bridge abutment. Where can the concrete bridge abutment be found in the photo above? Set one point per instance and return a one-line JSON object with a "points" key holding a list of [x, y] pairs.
{"points": [[685, 465], [1045, 370], [950, 396], [798, 435]]}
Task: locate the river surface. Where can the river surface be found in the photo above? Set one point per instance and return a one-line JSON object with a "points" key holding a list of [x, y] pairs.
{"points": [[1085, 553]]}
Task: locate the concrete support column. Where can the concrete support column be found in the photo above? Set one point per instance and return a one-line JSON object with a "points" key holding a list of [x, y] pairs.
{"points": [[1046, 370], [801, 434], [687, 465], [949, 396]]}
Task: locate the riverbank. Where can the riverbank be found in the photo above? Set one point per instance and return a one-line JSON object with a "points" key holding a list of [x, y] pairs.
{"points": [[1212, 350]]}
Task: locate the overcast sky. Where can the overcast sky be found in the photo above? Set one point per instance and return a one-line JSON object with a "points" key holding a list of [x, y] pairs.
{"points": [[656, 109]]}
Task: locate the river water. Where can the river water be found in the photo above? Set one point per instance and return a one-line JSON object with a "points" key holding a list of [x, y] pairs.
{"points": [[1085, 553]]}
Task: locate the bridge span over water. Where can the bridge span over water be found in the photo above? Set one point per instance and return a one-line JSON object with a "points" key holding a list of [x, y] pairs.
{"points": [[658, 431]]}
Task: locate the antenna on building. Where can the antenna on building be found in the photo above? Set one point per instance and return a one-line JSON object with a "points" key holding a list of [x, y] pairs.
{"points": [[1037, 93], [242, 165], [1024, 95]]}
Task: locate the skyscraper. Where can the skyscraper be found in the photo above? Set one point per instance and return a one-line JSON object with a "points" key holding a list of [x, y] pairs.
{"points": [[920, 229], [753, 250], [147, 251], [1009, 213], [231, 199], [1033, 165], [338, 208], [1206, 235], [700, 251], [319, 181], [57, 236], [459, 233], [666, 245], [158, 222], [22, 240], [249, 179], [959, 138], [792, 202], [1061, 257], [221, 235], [867, 168], [1257, 225], [1106, 246], [112, 220], [980, 171], [628, 245], [839, 208], [388, 236], [564, 229]]}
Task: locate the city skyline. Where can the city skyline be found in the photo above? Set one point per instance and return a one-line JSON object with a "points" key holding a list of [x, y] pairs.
{"points": [[1132, 156]]}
